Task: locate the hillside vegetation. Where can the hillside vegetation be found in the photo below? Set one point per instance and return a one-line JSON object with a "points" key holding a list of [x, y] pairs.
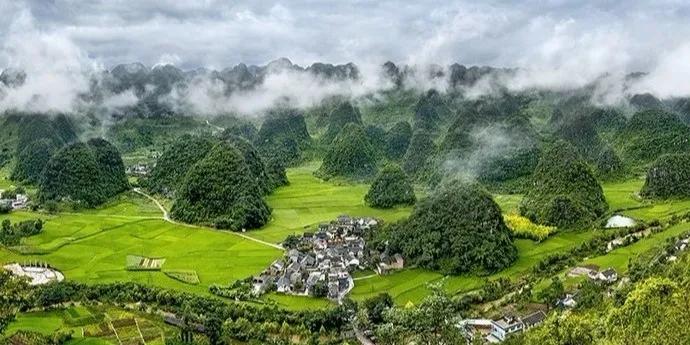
{"points": [[668, 177], [564, 191], [221, 190], [84, 173], [390, 188], [458, 229], [350, 155]]}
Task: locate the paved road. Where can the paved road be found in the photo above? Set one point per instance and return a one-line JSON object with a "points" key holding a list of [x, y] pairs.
{"points": [[166, 217]]}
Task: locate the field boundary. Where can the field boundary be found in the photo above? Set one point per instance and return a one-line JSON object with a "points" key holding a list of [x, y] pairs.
{"points": [[166, 217]]}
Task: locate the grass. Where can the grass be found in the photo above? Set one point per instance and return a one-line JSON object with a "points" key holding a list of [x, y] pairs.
{"points": [[622, 197], [508, 203], [49, 322], [412, 285], [5, 183], [308, 201], [92, 247], [40, 322]]}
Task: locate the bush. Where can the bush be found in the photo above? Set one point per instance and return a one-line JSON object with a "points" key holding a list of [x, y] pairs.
{"points": [[524, 228]]}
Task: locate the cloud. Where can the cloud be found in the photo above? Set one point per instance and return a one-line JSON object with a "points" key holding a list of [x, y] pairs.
{"points": [[558, 44]]}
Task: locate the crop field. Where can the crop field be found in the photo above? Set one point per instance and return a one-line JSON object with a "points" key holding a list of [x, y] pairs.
{"points": [[129, 326], [411, 285], [92, 247], [308, 201], [622, 196]]}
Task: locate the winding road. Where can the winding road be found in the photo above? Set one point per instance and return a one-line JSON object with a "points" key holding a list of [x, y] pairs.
{"points": [[166, 217]]}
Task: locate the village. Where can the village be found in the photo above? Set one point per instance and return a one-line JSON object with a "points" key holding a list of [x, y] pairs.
{"points": [[321, 263], [13, 199]]}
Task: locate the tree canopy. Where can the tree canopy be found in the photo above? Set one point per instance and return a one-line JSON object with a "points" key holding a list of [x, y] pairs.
{"points": [[390, 188], [342, 115], [350, 155], [564, 190], [85, 173], [222, 191], [668, 177], [172, 166], [458, 229], [397, 140]]}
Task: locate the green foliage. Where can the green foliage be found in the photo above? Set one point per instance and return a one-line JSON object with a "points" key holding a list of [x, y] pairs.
{"points": [[11, 234], [419, 155], [350, 155], [431, 322], [458, 229], [429, 112], [668, 177], [390, 188], [254, 162], [85, 173], [342, 115], [221, 190], [398, 140], [32, 159], [172, 166], [284, 135], [564, 191], [553, 292], [39, 137], [652, 133]]}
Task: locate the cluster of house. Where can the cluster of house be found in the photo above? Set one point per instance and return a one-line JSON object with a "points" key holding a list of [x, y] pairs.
{"points": [[17, 202], [496, 331], [322, 261], [608, 275], [680, 246], [139, 170]]}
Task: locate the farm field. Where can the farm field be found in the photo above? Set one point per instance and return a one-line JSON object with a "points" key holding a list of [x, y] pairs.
{"points": [[622, 197], [411, 285], [618, 258], [308, 201], [50, 322], [92, 247]]}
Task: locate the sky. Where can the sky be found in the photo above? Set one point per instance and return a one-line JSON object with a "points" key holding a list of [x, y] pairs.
{"points": [[628, 35], [556, 44]]}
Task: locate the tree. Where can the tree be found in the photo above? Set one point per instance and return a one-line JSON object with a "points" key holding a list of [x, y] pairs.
{"points": [[668, 177], [433, 321], [175, 161], [221, 190], [350, 155], [553, 292], [397, 140], [85, 173], [390, 188], [564, 191], [458, 229]]}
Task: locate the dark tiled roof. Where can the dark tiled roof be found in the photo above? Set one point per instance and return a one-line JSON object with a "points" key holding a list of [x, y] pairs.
{"points": [[534, 318]]}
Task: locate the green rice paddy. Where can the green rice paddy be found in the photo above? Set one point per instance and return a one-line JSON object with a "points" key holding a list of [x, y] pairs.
{"points": [[92, 246]]}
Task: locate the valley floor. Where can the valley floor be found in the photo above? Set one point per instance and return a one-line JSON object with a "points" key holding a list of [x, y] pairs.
{"points": [[92, 246]]}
